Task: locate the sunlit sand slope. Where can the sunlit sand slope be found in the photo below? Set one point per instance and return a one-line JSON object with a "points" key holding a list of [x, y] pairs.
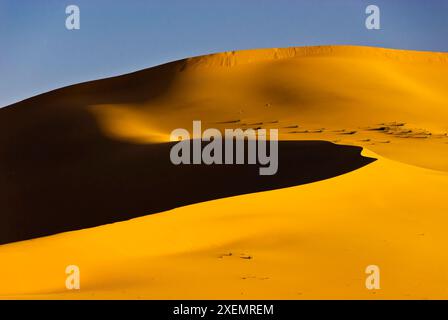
{"points": [[310, 241], [305, 241], [391, 101]]}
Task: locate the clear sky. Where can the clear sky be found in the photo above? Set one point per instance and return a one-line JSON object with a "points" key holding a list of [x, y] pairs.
{"points": [[38, 53]]}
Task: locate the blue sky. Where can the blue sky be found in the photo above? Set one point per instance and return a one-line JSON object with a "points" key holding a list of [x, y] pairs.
{"points": [[38, 54]]}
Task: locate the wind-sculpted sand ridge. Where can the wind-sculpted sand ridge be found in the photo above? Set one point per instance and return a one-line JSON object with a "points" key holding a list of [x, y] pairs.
{"points": [[234, 58]]}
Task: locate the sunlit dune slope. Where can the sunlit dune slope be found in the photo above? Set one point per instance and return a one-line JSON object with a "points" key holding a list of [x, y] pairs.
{"points": [[302, 241], [310, 241], [388, 100]]}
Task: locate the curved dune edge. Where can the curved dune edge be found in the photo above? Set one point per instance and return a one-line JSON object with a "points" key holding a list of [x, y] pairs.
{"points": [[306, 242]]}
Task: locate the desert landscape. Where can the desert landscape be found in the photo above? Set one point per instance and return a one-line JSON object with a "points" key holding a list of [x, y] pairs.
{"points": [[363, 146]]}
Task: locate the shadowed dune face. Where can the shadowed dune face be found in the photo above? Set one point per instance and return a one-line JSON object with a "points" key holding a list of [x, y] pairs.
{"points": [[61, 179]]}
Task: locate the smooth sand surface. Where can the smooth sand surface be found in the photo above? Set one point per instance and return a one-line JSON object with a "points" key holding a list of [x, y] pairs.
{"points": [[306, 241]]}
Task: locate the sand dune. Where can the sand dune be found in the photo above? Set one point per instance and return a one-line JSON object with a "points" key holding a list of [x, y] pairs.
{"points": [[81, 156], [331, 87]]}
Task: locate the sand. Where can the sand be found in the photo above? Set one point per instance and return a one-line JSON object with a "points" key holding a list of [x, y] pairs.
{"points": [[305, 241]]}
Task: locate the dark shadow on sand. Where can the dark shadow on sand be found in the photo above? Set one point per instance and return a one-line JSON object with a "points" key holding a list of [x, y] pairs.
{"points": [[66, 186], [58, 172]]}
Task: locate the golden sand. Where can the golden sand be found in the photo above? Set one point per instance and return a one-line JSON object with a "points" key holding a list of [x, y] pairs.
{"points": [[304, 242]]}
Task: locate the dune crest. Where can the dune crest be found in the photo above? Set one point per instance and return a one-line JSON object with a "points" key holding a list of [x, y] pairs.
{"points": [[241, 57], [328, 93]]}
